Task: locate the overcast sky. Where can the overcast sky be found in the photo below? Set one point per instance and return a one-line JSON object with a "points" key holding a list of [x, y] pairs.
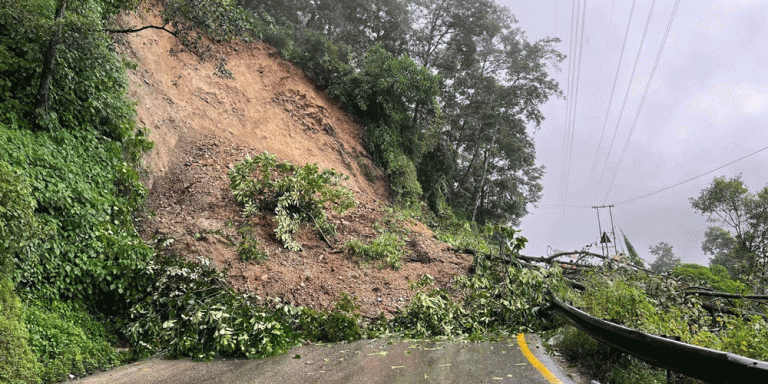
{"points": [[707, 106]]}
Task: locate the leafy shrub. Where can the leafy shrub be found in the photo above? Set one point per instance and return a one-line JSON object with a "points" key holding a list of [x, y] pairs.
{"points": [[86, 246], [249, 247], [461, 234], [387, 246], [605, 364], [715, 277], [578, 347], [326, 62], [193, 312], [342, 324], [295, 195], [617, 300], [745, 337], [497, 297], [67, 340], [17, 362], [433, 312], [403, 180]]}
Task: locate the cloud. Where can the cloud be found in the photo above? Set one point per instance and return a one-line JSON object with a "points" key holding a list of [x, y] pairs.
{"points": [[723, 104], [719, 14]]}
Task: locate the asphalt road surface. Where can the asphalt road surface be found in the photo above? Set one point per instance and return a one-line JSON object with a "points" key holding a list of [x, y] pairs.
{"points": [[365, 361]]}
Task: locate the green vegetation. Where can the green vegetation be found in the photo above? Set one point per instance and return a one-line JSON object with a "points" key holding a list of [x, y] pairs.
{"points": [[449, 131], [743, 253], [69, 189], [341, 324], [499, 297], [67, 340], [192, 311], [249, 247], [665, 257], [715, 277], [295, 195], [658, 305], [604, 364], [387, 246], [444, 126], [17, 362]]}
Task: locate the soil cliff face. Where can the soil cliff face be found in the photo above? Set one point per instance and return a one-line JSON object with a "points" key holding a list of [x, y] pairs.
{"points": [[206, 114]]}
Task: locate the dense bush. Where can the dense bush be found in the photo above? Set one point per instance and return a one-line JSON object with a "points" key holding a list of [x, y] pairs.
{"points": [[67, 340], [17, 362], [387, 247], [341, 324], [715, 277], [192, 311], [327, 63], [497, 297], [295, 195], [85, 194]]}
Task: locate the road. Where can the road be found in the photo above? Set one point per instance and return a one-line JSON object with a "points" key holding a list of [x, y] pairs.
{"points": [[365, 361]]}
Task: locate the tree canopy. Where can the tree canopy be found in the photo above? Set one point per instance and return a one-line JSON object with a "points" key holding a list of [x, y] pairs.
{"points": [[463, 120], [666, 259], [740, 243]]}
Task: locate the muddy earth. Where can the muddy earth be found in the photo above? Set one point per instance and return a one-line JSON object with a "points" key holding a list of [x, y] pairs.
{"points": [[205, 112]]}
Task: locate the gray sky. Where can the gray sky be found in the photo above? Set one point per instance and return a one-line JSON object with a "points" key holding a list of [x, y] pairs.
{"points": [[707, 106]]}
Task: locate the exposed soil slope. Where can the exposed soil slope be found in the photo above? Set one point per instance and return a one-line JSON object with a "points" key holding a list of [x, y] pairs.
{"points": [[203, 122]]}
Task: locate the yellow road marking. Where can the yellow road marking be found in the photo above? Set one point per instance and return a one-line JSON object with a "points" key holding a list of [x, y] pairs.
{"points": [[535, 362]]}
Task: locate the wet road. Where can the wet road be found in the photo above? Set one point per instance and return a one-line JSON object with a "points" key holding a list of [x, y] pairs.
{"points": [[365, 361]]}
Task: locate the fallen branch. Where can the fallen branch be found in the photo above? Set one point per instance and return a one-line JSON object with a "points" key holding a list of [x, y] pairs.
{"points": [[725, 295], [133, 30]]}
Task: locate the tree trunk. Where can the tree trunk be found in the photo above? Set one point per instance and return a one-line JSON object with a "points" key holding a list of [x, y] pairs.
{"points": [[50, 59], [485, 169]]}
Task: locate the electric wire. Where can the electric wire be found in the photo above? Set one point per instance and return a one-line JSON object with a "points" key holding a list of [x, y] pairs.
{"points": [[571, 50], [687, 180], [642, 100], [626, 92], [575, 99], [613, 90]]}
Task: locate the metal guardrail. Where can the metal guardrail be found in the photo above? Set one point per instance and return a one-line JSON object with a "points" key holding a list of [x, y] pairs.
{"points": [[705, 364]]}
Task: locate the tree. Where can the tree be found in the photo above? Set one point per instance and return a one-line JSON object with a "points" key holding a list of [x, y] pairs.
{"points": [[472, 152], [723, 247], [743, 252], [665, 257], [634, 257], [492, 97]]}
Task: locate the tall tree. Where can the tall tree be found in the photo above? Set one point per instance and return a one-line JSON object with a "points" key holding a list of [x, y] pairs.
{"points": [[634, 257], [477, 155], [491, 99], [744, 251], [665, 257], [721, 245]]}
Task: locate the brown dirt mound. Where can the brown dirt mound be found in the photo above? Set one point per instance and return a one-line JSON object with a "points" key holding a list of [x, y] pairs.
{"points": [[203, 122]]}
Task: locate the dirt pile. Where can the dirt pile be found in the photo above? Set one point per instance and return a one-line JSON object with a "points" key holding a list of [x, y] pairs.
{"points": [[207, 114]]}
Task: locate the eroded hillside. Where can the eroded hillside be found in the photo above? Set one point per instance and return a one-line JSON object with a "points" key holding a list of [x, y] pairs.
{"points": [[205, 114]]}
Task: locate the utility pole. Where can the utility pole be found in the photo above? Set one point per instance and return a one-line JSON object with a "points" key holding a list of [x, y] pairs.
{"points": [[604, 239]]}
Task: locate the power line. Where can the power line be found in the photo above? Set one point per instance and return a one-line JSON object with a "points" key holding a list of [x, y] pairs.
{"points": [[575, 99], [613, 90], [642, 100], [626, 93], [571, 49], [691, 179], [560, 206]]}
